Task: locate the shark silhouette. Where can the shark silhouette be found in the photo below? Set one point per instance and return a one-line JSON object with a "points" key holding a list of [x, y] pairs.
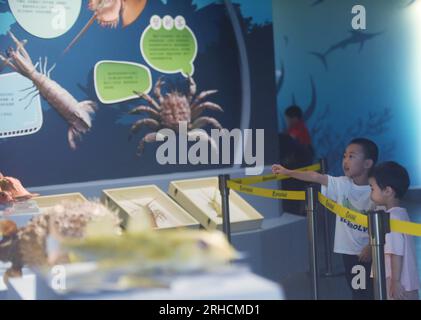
{"points": [[356, 37], [317, 2], [409, 3]]}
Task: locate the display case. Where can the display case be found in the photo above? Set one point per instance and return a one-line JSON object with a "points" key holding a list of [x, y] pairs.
{"points": [[149, 202], [202, 199], [46, 202], [22, 211]]}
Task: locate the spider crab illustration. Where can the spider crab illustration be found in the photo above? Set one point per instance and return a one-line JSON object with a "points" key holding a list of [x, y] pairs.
{"points": [[171, 109]]}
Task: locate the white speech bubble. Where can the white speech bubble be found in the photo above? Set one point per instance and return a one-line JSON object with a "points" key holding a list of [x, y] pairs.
{"points": [[46, 18], [180, 22], [155, 22], [20, 106], [168, 22]]}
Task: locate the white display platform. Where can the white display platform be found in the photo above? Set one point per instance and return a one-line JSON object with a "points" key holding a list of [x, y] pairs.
{"points": [[239, 284]]}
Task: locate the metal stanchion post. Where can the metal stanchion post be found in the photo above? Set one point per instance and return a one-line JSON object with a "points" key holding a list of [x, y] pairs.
{"points": [[328, 245], [311, 197], [378, 226], [224, 190]]}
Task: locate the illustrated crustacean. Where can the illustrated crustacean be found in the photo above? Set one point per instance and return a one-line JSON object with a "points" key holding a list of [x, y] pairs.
{"points": [[27, 246], [107, 14], [171, 109], [77, 114]]}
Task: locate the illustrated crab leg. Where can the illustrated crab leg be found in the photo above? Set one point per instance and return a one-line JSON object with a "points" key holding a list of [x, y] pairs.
{"points": [[202, 121], [197, 110], [153, 124], [150, 137], [148, 98], [192, 88], [141, 109], [157, 90], [203, 95], [200, 134]]}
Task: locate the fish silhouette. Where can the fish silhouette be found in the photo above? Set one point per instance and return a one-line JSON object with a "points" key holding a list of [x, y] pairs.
{"points": [[356, 37], [409, 3], [317, 2]]}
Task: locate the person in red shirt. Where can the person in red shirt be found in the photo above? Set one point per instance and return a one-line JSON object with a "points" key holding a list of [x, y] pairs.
{"points": [[296, 128], [296, 151]]}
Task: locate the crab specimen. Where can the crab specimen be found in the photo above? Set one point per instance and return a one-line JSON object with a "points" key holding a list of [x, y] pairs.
{"points": [[168, 110]]}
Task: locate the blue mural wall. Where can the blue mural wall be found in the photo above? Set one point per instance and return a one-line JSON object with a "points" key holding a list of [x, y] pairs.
{"points": [[45, 158], [353, 83]]}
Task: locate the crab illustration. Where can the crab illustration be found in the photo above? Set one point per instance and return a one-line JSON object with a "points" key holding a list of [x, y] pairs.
{"points": [[168, 110]]}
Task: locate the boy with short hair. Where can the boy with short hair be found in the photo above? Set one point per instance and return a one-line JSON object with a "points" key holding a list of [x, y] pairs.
{"points": [[389, 182], [351, 191]]}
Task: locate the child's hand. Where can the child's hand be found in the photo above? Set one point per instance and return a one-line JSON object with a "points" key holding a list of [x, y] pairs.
{"points": [[397, 292], [365, 255], [278, 169]]}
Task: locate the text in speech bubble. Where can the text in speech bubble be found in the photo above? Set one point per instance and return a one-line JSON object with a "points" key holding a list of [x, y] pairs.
{"points": [[116, 81], [46, 18], [20, 106], [169, 45]]}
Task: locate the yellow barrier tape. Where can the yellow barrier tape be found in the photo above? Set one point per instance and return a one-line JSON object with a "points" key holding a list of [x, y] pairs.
{"points": [[267, 193], [270, 177], [399, 226], [348, 214]]}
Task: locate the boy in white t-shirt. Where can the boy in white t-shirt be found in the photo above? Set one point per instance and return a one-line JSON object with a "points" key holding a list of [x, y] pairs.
{"points": [[351, 191], [389, 182]]}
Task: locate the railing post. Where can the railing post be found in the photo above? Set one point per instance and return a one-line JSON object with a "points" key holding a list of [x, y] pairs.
{"points": [[328, 245], [378, 226], [311, 197], [224, 190]]}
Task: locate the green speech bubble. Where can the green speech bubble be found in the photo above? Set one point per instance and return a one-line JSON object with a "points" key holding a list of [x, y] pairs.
{"points": [[116, 81], [169, 50]]}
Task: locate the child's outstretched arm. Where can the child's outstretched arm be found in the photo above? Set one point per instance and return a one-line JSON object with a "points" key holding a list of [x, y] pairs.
{"points": [[309, 176]]}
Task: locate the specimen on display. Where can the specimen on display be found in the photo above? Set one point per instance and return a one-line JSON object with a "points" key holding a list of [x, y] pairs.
{"points": [[29, 245]]}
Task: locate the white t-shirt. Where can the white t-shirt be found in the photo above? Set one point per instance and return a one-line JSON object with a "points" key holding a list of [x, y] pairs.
{"points": [[402, 245], [350, 238]]}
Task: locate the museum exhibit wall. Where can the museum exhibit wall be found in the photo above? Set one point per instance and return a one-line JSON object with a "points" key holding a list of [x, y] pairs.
{"points": [[353, 83], [107, 63]]}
